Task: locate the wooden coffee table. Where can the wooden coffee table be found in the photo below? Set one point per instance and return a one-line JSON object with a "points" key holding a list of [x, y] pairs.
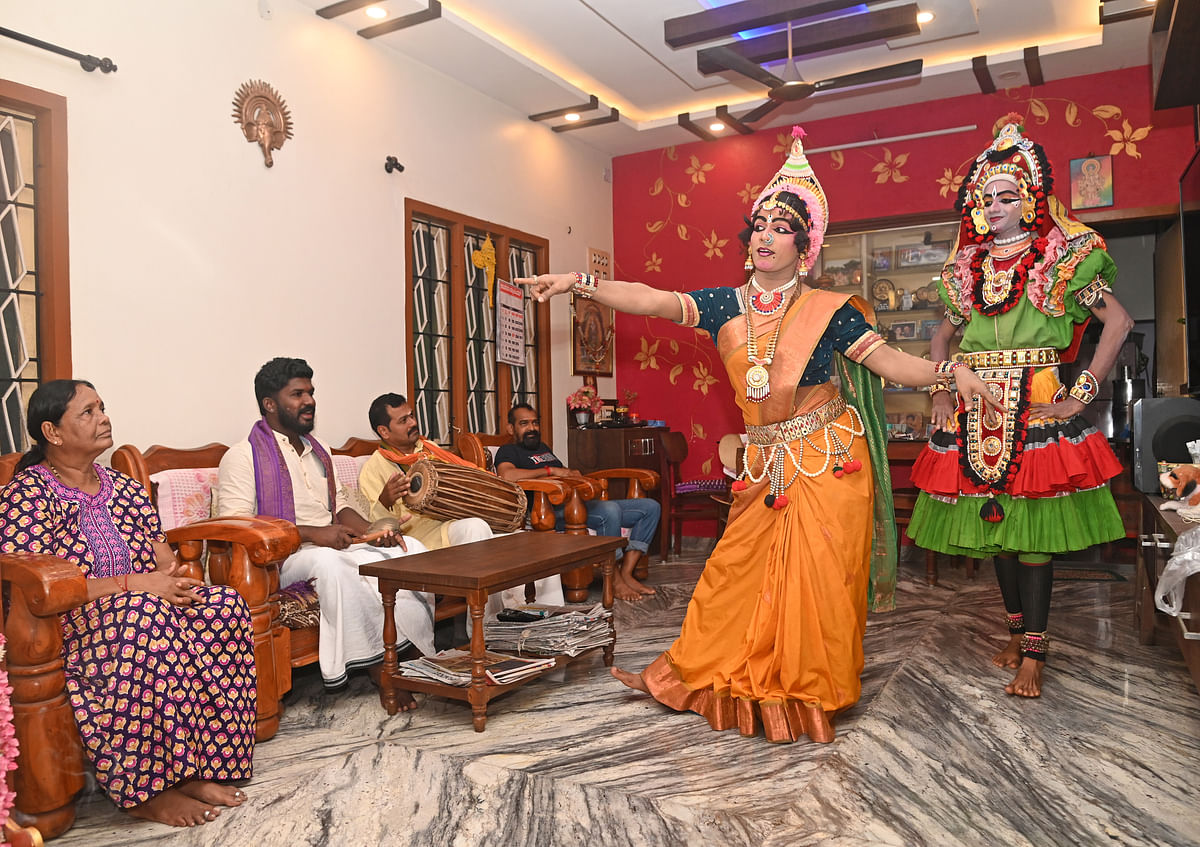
{"points": [[473, 571]]}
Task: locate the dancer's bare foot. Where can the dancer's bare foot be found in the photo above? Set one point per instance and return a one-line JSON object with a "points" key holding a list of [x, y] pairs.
{"points": [[636, 585], [403, 698], [1028, 681], [633, 680], [1010, 656], [174, 808], [624, 591], [213, 793]]}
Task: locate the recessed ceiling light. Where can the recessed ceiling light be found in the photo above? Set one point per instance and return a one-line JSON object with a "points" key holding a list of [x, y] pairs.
{"points": [[571, 116], [924, 17], [716, 126], [376, 12]]}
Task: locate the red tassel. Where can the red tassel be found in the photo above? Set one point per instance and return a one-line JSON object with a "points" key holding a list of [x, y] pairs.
{"points": [[781, 500], [992, 511], [739, 485]]}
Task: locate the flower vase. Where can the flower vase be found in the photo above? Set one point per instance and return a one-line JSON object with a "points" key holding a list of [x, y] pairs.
{"points": [[583, 417]]}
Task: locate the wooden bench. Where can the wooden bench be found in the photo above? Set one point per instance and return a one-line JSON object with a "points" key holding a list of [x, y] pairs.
{"points": [[50, 768]]}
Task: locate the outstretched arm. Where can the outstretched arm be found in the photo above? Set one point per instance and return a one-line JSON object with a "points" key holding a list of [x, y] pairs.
{"points": [[897, 366], [634, 298]]}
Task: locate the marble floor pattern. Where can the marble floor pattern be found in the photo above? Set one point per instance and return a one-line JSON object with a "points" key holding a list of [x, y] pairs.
{"points": [[934, 754]]}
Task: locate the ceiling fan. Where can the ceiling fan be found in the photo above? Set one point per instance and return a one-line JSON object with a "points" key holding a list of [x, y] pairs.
{"points": [[790, 87]]}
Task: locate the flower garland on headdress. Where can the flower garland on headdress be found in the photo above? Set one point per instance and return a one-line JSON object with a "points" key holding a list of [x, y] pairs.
{"points": [[796, 177], [1060, 242]]}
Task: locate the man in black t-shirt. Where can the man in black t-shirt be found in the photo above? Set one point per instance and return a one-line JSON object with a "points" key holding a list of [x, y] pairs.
{"points": [[527, 457]]}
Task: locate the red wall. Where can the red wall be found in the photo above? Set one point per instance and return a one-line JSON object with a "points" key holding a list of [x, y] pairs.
{"points": [[677, 211]]}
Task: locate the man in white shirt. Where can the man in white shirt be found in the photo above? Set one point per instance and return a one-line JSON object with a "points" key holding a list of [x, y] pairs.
{"points": [[281, 470]]}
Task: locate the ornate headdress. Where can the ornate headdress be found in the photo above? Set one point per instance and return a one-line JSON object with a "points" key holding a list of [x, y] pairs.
{"points": [[1015, 158], [796, 178]]}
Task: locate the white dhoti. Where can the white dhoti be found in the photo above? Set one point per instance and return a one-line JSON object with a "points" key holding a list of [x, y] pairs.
{"points": [[351, 608]]}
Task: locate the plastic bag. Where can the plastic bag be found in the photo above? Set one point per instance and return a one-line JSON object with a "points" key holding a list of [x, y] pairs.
{"points": [[1184, 562]]}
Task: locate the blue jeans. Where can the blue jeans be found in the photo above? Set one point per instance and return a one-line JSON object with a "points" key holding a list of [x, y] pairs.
{"points": [[608, 516]]}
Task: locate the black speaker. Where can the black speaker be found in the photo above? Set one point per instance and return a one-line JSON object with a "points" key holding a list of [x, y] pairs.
{"points": [[1162, 427]]}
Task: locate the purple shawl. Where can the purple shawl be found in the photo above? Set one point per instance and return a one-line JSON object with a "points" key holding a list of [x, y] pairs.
{"points": [[272, 482]]}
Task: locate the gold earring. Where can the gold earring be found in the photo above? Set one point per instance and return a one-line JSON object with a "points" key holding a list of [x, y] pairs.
{"points": [[749, 258]]}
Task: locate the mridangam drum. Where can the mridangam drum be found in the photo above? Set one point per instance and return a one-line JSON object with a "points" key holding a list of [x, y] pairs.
{"points": [[449, 492]]}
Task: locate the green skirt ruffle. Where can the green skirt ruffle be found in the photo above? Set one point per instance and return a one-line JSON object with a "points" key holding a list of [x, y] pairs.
{"points": [[1031, 525]]}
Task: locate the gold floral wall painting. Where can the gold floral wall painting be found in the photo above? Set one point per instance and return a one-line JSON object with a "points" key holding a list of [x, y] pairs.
{"points": [[263, 116]]}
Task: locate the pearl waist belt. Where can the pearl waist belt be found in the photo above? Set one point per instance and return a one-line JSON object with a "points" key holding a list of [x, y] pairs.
{"points": [[801, 425]]}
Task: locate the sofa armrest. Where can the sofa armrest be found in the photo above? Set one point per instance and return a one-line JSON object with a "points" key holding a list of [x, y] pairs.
{"points": [[264, 539], [639, 479], [48, 584]]}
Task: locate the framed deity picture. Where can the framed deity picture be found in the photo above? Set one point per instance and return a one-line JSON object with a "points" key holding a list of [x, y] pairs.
{"points": [[591, 337], [903, 330], [881, 260], [1091, 182]]}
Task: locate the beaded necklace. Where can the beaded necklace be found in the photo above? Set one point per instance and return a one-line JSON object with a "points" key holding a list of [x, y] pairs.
{"points": [[758, 378], [994, 292], [766, 302]]}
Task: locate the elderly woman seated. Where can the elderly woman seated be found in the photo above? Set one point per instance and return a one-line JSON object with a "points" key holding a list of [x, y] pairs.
{"points": [[159, 667]]}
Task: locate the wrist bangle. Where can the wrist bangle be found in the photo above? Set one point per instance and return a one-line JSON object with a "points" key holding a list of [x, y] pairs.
{"points": [[585, 285], [945, 369], [1086, 387], [936, 387]]}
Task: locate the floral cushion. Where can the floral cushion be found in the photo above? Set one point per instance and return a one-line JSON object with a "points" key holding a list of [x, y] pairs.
{"points": [[184, 495]]}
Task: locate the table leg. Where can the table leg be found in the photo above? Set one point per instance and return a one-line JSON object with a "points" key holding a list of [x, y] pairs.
{"points": [[477, 690], [387, 683], [606, 569]]}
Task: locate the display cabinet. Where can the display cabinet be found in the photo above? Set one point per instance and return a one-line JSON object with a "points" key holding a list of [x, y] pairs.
{"points": [[897, 271]]}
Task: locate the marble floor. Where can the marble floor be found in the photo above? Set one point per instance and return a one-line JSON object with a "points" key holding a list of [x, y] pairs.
{"points": [[934, 754]]}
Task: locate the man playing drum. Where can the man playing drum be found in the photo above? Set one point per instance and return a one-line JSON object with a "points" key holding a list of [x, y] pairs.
{"points": [[528, 458], [384, 483], [283, 471]]}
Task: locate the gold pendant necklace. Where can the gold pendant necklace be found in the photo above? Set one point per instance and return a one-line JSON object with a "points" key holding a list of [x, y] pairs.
{"points": [[758, 378]]}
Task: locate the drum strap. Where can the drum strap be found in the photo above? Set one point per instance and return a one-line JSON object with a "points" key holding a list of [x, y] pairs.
{"points": [[425, 449]]}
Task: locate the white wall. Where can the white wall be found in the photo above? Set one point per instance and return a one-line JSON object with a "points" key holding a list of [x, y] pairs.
{"points": [[181, 237]]}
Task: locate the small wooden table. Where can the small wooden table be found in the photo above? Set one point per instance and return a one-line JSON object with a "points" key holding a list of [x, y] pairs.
{"points": [[473, 571]]}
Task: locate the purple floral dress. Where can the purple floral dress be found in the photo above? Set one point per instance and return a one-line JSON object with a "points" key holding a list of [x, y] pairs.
{"points": [[161, 693]]}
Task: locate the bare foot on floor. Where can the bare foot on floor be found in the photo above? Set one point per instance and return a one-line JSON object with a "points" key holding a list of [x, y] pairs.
{"points": [[1028, 681], [1010, 656], [625, 591], [633, 680], [213, 793], [637, 586], [174, 808]]}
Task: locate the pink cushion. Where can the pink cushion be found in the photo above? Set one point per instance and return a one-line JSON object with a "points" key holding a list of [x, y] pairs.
{"points": [[184, 495]]}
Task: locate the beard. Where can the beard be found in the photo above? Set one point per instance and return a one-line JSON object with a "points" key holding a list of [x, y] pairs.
{"points": [[531, 439], [293, 422]]}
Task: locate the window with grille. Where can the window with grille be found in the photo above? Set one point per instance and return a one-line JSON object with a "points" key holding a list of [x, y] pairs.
{"points": [[455, 381], [34, 310]]}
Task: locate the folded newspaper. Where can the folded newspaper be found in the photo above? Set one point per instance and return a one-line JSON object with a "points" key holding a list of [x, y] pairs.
{"points": [[564, 630], [453, 667]]}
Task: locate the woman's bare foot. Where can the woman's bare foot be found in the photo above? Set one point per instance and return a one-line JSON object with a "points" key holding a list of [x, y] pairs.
{"points": [[1010, 656], [174, 808], [633, 680], [625, 591], [213, 793], [1028, 681]]}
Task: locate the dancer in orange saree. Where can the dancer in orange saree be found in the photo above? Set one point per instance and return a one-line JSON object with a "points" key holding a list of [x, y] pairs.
{"points": [[774, 629]]}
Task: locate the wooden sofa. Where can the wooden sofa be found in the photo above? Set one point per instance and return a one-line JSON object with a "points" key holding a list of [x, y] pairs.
{"points": [[570, 493], [50, 768]]}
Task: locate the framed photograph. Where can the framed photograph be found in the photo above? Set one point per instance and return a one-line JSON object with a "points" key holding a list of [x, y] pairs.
{"points": [[915, 421], [903, 330], [607, 411], [1091, 182], [591, 338], [928, 328], [881, 260], [935, 253], [910, 255]]}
